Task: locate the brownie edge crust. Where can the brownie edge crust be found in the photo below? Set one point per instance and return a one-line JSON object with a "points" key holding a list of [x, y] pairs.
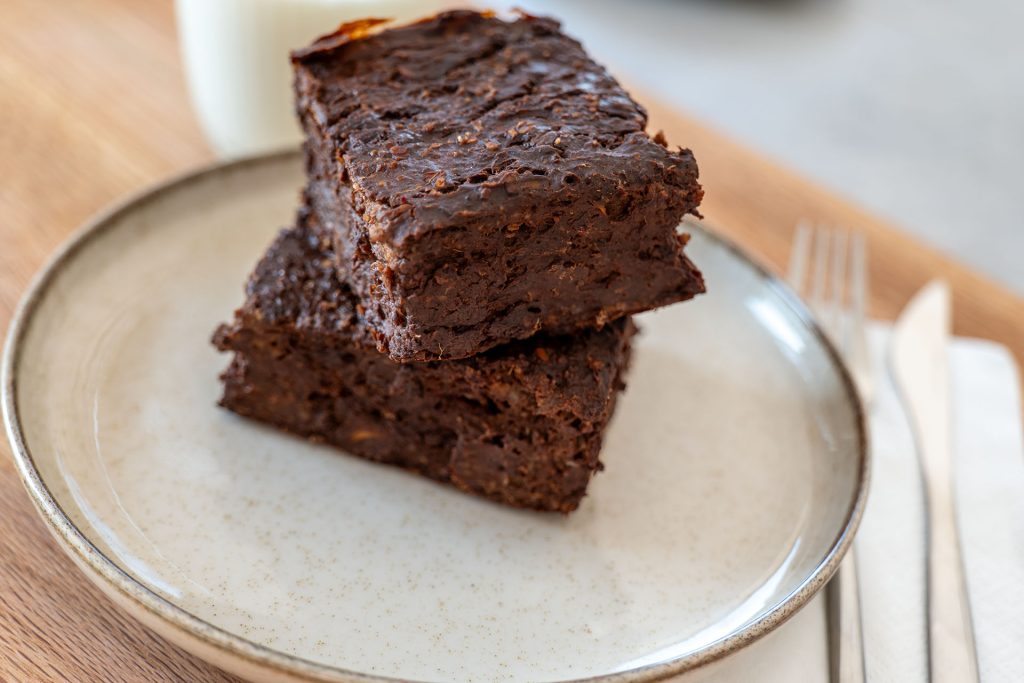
{"points": [[482, 180], [521, 424]]}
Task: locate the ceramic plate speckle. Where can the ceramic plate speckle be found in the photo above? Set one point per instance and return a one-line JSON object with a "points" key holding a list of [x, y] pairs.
{"points": [[735, 476]]}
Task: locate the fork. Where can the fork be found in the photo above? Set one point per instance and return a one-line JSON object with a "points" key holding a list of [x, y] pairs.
{"points": [[837, 294]]}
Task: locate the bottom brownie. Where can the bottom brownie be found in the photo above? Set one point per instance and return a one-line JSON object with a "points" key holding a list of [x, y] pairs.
{"points": [[521, 424]]}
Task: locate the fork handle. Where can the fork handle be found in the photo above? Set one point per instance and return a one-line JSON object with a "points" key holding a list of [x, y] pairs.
{"points": [[846, 649]]}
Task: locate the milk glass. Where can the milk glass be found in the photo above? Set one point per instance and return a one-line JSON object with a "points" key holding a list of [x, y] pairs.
{"points": [[235, 54]]}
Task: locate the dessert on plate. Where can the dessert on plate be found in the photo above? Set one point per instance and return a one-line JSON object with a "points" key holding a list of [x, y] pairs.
{"points": [[520, 424], [483, 212], [483, 180]]}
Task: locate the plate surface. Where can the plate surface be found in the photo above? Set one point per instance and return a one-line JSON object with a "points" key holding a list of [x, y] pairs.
{"points": [[735, 475]]}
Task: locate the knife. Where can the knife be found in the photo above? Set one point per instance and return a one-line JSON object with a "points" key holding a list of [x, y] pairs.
{"points": [[920, 367]]}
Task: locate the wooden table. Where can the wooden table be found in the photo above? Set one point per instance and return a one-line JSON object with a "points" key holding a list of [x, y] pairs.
{"points": [[94, 106]]}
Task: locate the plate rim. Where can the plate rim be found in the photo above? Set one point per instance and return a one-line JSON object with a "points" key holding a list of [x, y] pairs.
{"points": [[75, 543]]}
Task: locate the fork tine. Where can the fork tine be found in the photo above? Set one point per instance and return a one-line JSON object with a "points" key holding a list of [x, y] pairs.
{"points": [[858, 347], [858, 277], [798, 257], [836, 310], [819, 276], [839, 239]]}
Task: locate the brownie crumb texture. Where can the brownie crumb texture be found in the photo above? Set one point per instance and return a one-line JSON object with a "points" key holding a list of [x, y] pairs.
{"points": [[484, 211], [483, 180], [521, 425]]}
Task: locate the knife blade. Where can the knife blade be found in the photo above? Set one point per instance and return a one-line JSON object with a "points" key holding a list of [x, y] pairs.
{"points": [[920, 368]]}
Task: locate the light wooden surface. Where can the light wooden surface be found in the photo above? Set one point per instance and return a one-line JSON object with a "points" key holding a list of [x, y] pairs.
{"points": [[93, 107]]}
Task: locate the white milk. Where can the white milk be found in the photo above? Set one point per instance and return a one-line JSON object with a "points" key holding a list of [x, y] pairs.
{"points": [[235, 54]]}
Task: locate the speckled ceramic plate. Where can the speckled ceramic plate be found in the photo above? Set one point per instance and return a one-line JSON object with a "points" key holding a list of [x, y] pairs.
{"points": [[735, 476]]}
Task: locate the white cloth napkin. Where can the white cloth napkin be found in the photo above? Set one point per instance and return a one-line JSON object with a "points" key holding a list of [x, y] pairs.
{"points": [[989, 451]]}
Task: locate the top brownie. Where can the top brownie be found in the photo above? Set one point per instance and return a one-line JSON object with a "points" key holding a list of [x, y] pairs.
{"points": [[483, 179]]}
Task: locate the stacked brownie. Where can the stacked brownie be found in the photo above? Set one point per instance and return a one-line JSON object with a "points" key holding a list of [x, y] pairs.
{"points": [[484, 210]]}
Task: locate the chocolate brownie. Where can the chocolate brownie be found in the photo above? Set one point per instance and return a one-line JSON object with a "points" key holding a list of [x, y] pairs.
{"points": [[484, 179], [521, 424]]}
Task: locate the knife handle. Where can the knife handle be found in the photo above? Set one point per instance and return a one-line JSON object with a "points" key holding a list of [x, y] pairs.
{"points": [[951, 639]]}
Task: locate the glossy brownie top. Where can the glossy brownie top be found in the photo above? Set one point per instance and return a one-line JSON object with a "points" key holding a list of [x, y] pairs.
{"points": [[465, 114]]}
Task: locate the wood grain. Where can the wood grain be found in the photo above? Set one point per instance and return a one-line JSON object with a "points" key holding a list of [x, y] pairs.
{"points": [[94, 106]]}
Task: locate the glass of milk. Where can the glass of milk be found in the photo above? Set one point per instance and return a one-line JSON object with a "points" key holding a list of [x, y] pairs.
{"points": [[236, 61]]}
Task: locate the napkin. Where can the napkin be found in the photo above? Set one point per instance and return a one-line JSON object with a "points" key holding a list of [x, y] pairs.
{"points": [[989, 466]]}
